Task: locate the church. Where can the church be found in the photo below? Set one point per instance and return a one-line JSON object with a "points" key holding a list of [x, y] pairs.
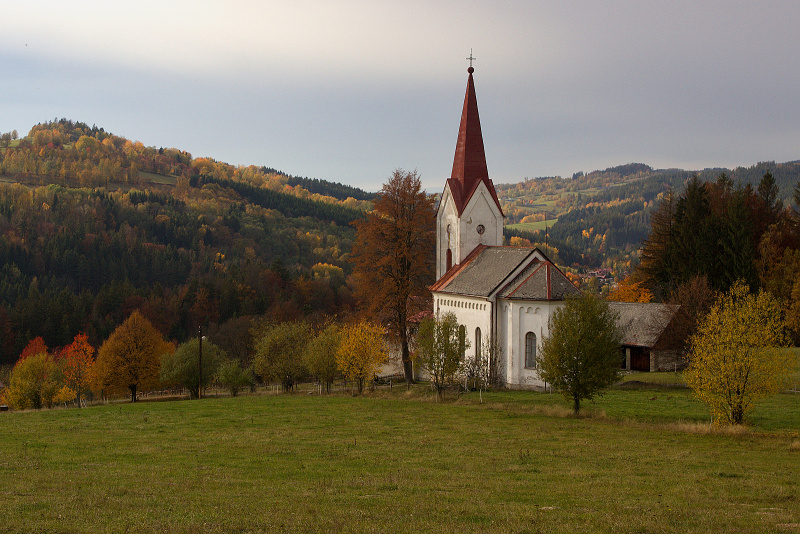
{"points": [[497, 292], [507, 294]]}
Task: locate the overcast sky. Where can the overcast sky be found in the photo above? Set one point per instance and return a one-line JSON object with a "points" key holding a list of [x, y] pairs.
{"points": [[350, 90]]}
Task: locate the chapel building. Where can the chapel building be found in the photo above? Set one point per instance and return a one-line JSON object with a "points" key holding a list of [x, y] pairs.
{"points": [[500, 293]]}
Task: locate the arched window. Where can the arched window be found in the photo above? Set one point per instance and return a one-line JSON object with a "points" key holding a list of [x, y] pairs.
{"points": [[462, 340], [449, 259], [530, 350], [477, 344]]}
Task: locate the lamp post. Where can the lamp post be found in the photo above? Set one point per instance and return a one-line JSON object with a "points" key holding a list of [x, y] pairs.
{"points": [[200, 362]]}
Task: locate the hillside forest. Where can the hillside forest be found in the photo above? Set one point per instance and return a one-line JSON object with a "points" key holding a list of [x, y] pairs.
{"points": [[94, 226]]}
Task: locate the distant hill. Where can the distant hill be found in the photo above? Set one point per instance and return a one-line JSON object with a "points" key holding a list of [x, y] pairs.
{"points": [[93, 225], [601, 218]]}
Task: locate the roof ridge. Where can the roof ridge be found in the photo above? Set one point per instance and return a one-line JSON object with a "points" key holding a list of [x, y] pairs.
{"points": [[522, 282], [505, 281]]}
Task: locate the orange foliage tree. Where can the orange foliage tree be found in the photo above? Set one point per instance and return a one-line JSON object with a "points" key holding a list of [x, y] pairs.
{"points": [[130, 358], [77, 361], [629, 291], [393, 255], [35, 346]]}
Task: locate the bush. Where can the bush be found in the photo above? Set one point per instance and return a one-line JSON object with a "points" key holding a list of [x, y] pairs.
{"points": [[279, 353], [232, 377], [34, 383], [181, 366], [581, 356], [320, 355]]}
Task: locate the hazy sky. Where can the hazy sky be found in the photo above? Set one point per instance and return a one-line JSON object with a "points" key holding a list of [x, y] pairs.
{"points": [[351, 90]]}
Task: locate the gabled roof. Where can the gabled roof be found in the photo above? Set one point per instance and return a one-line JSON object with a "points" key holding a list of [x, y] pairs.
{"points": [[540, 281], [489, 270], [482, 271], [469, 163], [642, 324]]}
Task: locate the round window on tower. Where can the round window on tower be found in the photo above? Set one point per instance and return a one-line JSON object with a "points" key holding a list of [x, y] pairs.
{"points": [[481, 229]]}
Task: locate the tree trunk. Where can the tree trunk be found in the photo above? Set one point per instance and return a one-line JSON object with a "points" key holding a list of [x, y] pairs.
{"points": [[576, 404], [737, 414], [408, 365], [133, 392]]}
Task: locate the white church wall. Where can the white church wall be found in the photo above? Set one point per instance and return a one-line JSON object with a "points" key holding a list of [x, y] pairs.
{"points": [[473, 313], [519, 318]]}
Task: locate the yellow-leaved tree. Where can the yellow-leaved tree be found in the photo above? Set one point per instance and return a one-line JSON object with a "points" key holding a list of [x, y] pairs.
{"points": [[361, 351], [738, 354], [34, 383], [130, 358], [629, 290]]}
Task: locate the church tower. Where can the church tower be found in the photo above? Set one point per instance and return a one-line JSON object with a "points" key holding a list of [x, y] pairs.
{"points": [[469, 212]]}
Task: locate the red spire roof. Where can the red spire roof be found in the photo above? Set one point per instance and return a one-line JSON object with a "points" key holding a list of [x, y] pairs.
{"points": [[469, 164]]}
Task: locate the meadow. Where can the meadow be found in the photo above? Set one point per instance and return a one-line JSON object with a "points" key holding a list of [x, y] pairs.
{"points": [[642, 459]]}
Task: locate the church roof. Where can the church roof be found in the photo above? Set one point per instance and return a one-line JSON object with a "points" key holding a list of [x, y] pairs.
{"points": [[469, 163], [482, 271], [489, 270], [642, 324], [541, 280]]}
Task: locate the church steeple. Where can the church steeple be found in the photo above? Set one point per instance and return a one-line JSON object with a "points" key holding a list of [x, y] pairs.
{"points": [[469, 163], [469, 213]]}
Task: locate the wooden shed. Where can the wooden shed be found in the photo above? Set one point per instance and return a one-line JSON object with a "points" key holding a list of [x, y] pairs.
{"points": [[643, 345]]}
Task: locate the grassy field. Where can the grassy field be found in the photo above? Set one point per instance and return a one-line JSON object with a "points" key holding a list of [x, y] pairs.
{"points": [[642, 461], [158, 178], [534, 226]]}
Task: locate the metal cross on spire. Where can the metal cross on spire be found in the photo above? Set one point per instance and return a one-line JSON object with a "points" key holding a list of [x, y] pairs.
{"points": [[470, 58]]}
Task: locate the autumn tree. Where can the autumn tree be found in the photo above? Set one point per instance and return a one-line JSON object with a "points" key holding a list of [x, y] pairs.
{"points": [[630, 290], [581, 356], [393, 256], [34, 346], [76, 363], [361, 352], [738, 355], [320, 355], [130, 358], [279, 353], [181, 368], [441, 343], [34, 383]]}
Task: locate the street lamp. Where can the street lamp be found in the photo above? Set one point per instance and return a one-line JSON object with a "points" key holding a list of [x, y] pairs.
{"points": [[200, 362]]}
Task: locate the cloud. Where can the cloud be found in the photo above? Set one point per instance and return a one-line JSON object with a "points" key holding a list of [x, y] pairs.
{"points": [[350, 90]]}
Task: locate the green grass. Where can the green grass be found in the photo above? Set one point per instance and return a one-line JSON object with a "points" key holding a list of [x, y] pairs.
{"points": [[399, 462], [661, 378], [534, 226], [158, 178]]}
